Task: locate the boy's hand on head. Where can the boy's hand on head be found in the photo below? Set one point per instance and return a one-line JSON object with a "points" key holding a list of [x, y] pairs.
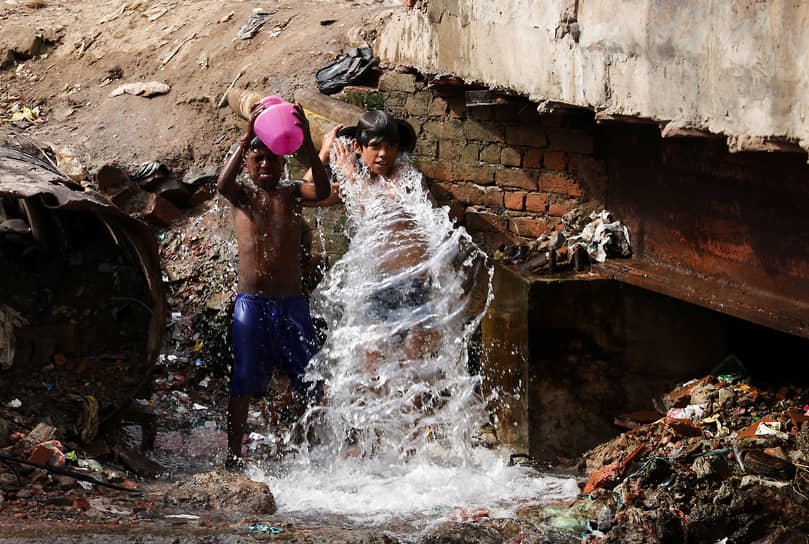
{"points": [[244, 143], [343, 157], [329, 137]]}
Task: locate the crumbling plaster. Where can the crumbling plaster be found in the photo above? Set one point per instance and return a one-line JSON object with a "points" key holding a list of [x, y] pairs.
{"points": [[736, 68]]}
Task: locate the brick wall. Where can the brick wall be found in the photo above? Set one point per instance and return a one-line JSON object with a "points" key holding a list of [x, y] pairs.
{"points": [[505, 172]]}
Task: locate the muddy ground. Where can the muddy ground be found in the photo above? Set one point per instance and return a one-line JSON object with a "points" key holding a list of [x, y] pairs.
{"points": [[697, 475]]}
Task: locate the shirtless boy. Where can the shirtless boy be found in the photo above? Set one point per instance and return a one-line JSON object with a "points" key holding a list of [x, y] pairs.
{"points": [[271, 322], [377, 140]]}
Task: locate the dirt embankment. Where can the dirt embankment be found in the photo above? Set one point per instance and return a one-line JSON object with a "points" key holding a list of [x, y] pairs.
{"points": [[68, 57]]}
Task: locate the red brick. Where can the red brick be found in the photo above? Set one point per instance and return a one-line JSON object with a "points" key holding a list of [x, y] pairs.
{"points": [[515, 200], [527, 226], [469, 193], [435, 170], [515, 177], [480, 173], [45, 455], [536, 202], [160, 211], [510, 157], [426, 149], [492, 197], [490, 154], [560, 208], [483, 221], [532, 158], [452, 129], [554, 160], [449, 150], [526, 135], [554, 183], [483, 131]]}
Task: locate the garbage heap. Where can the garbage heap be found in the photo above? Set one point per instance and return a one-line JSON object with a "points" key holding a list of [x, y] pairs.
{"points": [[587, 238], [729, 462]]}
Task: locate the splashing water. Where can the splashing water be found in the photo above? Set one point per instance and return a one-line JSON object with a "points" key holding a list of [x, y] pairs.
{"points": [[394, 436]]}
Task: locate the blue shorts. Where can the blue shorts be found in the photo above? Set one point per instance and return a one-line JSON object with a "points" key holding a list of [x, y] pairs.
{"points": [[270, 332]]}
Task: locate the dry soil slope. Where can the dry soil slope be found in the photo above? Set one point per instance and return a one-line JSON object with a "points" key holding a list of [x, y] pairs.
{"points": [[97, 39]]}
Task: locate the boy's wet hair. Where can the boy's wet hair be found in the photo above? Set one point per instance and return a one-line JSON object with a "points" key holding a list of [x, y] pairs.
{"points": [[376, 126], [256, 143]]}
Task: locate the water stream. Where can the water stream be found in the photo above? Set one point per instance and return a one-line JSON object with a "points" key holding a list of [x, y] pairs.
{"points": [[393, 442]]}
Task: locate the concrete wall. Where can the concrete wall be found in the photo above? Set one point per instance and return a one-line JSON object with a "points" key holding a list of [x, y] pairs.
{"points": [[735, 68]]}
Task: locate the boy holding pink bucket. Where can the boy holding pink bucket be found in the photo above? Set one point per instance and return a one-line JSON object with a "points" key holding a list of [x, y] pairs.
{"points": [[271, 323]]}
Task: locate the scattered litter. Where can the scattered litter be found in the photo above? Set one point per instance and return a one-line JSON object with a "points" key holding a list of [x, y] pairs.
{"points": [[226, 18], [182, 516], [264, 528], [26, 113], [146, 89], [177, 49], [347, 70], [90, 464], [254, 23], [14, 403], [603, 237]]}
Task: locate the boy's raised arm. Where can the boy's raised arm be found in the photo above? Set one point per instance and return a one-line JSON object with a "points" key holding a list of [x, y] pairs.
{"points": [[228, 183], [319, 188]]}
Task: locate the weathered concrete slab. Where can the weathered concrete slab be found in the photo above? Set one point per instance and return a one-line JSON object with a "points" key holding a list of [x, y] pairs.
{"points": [[733, 68]]}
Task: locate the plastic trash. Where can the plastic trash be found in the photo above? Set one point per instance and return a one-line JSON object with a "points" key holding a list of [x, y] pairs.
{"points": [[264, 528], [347, 70]]}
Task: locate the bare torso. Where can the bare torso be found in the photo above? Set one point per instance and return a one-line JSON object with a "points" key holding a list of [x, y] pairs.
{"points": [[406, 246], [268, 232]]}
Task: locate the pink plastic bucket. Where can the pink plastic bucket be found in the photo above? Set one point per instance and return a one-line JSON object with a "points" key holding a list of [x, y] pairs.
{"points": [[276, 127]]}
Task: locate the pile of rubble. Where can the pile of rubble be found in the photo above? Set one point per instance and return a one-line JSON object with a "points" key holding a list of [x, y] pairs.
{"points": [[728, 462]]}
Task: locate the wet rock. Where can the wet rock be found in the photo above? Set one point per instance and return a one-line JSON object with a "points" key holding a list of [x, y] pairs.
{"points": [[220, 490], [462, 533]]}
